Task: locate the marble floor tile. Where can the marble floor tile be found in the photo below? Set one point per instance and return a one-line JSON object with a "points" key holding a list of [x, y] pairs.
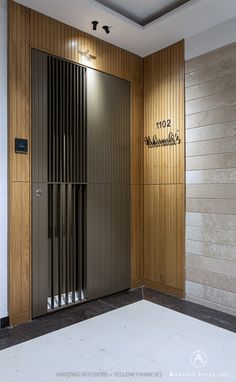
{"points": [[138, 342]]}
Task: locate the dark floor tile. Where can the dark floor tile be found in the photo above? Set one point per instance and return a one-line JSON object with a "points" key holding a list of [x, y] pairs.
{"points": [[51, 322], [161, 298], [211, 316], [78, 313], [124, 298]]}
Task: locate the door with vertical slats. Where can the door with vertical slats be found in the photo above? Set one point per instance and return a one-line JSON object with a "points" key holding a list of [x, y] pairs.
{"points": [[59, 182], [80, 183]]}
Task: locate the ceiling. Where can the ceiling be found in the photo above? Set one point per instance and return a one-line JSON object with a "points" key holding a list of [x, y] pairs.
{"points": [[188, 19], [142, 12]]}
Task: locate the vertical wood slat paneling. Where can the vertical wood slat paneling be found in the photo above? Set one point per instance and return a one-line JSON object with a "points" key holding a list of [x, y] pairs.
{"points": [[164, 172], [19, 90], [29, 29], [163, 99], [19, 166], [20, 245]]}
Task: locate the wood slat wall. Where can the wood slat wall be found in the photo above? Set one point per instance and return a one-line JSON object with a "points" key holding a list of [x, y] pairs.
{"points": [[29, 29], [160, 230], [164, 172]]}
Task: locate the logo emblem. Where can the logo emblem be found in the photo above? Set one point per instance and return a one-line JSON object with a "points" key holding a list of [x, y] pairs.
{"points": [[198, 359]]}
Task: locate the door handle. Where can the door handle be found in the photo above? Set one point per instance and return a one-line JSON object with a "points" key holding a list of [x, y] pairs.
{"points": [[38, 192]]}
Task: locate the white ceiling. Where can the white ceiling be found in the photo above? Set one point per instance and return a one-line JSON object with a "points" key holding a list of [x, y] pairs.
{"points": [[141, 11], [184, 22]]}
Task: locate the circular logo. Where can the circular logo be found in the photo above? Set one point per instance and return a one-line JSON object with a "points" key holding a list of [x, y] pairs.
{"points": [[198, 359]]}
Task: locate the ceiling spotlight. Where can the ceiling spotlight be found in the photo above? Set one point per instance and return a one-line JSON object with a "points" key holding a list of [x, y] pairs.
{"points": [[106, 29], [95, 23]]}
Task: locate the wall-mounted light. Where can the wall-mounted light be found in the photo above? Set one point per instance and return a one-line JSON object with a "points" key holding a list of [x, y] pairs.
{"points": [[72, 43], [87, 55], [95, 24], [106, 29]]}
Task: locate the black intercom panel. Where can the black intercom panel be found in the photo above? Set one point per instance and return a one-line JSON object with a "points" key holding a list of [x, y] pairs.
{"points": [[21, 146]]}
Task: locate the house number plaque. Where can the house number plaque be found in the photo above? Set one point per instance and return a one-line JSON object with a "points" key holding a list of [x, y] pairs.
{"points": [[172, 138]]}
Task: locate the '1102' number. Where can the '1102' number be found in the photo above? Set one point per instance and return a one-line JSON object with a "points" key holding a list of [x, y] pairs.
{"points": [[164, 123]]}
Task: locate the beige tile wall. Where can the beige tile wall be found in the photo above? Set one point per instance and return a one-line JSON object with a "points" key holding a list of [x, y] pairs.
{"points": [[210, 82]]}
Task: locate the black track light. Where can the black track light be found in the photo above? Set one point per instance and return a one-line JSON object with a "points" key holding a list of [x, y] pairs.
{"points": [[95, 23], [106, 29]]}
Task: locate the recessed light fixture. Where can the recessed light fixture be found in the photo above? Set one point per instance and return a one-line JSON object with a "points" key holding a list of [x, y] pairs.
{"points": [[106, 29]]}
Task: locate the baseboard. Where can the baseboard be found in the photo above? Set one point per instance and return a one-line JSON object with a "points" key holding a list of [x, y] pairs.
{"points": [[164, 288], [136, 284], [4, 322]]}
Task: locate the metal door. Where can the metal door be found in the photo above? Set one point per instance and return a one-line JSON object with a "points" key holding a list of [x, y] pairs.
{"points": [[80, 184], [108, 184], [59, 182]]}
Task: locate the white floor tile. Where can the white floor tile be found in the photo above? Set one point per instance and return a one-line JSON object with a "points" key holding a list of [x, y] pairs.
{"points": [[139, 338]]}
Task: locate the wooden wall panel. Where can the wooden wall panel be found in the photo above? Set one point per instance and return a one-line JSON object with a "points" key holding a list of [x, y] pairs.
{"points": [[19, 93], [20, 246], [29, 29], [164, 171], [19, 166]]}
